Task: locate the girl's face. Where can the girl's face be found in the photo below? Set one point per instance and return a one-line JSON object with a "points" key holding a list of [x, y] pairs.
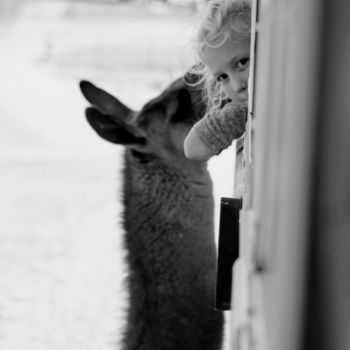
{"points": [[229, 65]]}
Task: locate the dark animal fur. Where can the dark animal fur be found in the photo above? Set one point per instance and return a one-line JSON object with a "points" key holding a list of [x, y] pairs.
{"points": [[168, 220]]}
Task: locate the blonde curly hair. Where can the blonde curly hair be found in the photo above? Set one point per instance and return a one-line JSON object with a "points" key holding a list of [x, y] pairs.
{"points": [[223, 20]]}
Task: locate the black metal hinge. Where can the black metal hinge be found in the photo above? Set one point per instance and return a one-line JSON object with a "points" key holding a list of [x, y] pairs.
{"points": [[228, 250]]}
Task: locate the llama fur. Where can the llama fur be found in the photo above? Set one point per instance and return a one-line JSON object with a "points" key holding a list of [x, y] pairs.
{"points": [[168, 221]]}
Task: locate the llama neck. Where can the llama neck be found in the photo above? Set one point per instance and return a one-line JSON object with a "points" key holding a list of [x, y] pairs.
{"points": [[156, 189]]}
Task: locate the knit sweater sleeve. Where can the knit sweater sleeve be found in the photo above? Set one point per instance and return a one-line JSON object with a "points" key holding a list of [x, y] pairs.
{"points": [[218, 129]]}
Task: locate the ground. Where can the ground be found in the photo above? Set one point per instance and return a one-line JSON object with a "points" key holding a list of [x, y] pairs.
{"points": [[61, 261]]}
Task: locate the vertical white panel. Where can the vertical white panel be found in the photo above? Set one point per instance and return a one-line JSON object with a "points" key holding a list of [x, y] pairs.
{"points": [[284, 123]]}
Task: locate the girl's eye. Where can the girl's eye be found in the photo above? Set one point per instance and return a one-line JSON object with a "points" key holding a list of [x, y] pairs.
{"points": [[241, 64], [221, 77]]}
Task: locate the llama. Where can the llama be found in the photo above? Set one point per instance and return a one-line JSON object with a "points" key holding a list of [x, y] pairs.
{"points": [[168, 220]]}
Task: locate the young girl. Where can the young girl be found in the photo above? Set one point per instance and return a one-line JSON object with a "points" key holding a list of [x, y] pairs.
{"points": [[223, 45]]}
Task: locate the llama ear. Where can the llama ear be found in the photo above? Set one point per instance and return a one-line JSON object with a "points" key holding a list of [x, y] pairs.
{"points": [[111, 129], [184, 106], [182, 103], [104, 102], [109, 117], [179, 108]]}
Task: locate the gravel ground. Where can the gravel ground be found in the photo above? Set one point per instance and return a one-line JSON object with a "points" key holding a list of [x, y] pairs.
{"points": [[61, 263]]}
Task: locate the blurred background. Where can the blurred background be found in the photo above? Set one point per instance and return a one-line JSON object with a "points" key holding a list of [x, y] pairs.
{"points": [[61, 262]]}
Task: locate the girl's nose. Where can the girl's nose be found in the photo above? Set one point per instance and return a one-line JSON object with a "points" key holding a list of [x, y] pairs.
{"points": [[241, 91], [239, 86]]}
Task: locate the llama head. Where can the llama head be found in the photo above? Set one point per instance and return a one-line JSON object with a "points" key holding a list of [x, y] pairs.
{"points": [[157, 131]]}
